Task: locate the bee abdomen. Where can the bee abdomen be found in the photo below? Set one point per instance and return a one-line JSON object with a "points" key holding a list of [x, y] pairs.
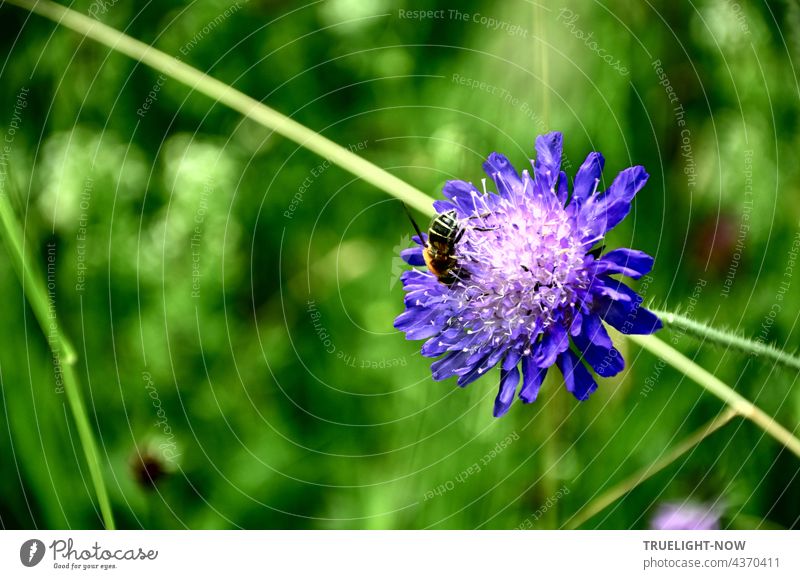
{"points": [[443, 229]]}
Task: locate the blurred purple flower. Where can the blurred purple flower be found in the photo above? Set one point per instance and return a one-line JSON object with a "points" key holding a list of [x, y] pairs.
{"points": [[686, 516], [528, 281]]}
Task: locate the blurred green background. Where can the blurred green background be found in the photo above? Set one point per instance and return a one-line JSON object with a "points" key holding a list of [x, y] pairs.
{"points": [[231, 296]]}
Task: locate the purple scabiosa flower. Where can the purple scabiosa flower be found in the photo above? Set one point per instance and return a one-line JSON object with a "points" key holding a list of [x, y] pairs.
{"points": [[529, 289], [685, 516]]}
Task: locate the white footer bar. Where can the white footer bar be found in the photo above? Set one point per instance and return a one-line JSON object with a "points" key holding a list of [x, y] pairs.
{"points": [[401, 554]]}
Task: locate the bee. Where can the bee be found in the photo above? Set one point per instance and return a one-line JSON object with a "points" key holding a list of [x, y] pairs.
{"points": [[444, 233]]}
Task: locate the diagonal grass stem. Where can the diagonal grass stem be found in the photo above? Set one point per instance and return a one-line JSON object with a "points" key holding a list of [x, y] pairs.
{"points": [[620, 490], [227, 95], [718, 388]]}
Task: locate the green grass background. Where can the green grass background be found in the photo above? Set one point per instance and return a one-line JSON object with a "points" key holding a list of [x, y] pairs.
{"points": [[284, 417]]}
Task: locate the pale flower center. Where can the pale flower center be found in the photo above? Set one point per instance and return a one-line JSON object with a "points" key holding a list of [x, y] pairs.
{"points": [[522, 275]]}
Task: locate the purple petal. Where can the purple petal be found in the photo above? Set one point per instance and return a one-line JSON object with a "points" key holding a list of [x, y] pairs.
{"points": [[511, 360], [606, 362], [434, 347], [628, 316], [601, 213], [413, 316], [413, 256], [449, 339], [458, 191], [576, 325], [469, 377], [462, 196], [483, 359], [588, 177], [532, 377], [466, 198], [629, 262], [627, 184], [630, 319], [415, 279], [577, 379], [480, 363], [421, 323], [493, 358], [602, 285], [601, 217], [553, 343], [502, 172], [547, 166], [562, 188], [422, 298], [425, 331], [686, 516], [509, 379], [594, 330], [448, 365]]}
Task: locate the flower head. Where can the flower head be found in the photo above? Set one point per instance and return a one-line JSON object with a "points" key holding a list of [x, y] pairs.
{"points": [[531, 289], [685, 516]]}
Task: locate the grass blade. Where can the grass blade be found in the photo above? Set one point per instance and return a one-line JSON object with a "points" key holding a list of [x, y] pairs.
{"points": [[62, 351]]}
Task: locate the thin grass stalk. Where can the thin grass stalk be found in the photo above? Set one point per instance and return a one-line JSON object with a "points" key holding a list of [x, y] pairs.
{"points": [[61, 349], [623, 488]]}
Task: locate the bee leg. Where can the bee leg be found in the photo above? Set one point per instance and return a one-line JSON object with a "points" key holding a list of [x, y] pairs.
{"points": [[481, 216], [459, 274]]}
